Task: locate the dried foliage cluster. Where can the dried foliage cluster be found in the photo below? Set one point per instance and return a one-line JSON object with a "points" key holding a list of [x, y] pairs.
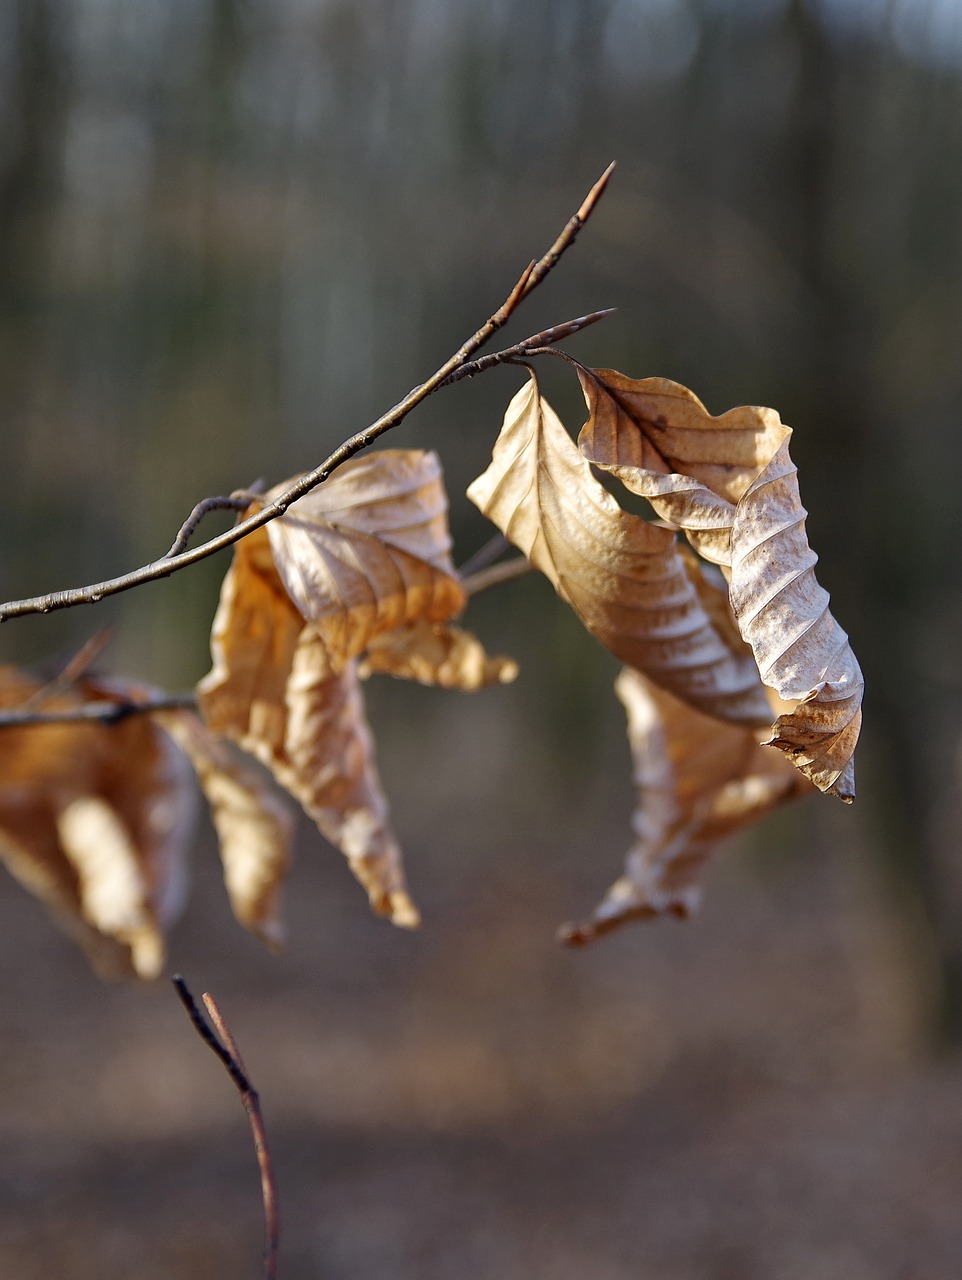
{"points": [[740, 688]]}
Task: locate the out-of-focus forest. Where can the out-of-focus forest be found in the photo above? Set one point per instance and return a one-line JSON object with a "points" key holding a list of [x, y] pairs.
{"points": [[231, 233]]}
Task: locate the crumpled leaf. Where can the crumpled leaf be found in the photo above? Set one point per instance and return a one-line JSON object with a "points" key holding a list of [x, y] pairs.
{"points": [[272, 691], [699, 781], [363, 559], [96, 821], [254, 827], [369, 551], [730, 485], [436, 654], [624, 577]]}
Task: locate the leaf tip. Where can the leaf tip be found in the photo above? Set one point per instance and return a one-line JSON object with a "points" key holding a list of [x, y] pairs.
{"points": [[271, 933], [147, 953], [574, 935], [507, 670], [402, 911]]}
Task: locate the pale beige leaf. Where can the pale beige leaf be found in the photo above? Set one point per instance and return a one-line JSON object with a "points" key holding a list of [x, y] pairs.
{"points": [[658, 438], [699, 781], [369, 551], [272, 691], [729, 483], [436, 654], [800, 649], [96, 821], [254, 827], [624, 578]]}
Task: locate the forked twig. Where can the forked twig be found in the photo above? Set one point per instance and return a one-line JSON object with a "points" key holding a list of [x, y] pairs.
{"points": [[529, 279], [535, 345], [221, 1042]]}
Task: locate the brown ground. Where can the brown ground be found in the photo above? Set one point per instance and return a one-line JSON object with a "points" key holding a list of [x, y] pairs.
{"points": [[742, 1096]]}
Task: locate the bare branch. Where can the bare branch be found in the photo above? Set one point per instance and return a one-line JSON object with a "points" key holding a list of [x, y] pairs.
{"points": [[105, 712], [221, 1042], [529, 279], [495, 574], [537, 344]]}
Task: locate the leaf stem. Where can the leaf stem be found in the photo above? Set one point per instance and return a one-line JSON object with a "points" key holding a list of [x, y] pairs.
{"points": [[495, 574]]}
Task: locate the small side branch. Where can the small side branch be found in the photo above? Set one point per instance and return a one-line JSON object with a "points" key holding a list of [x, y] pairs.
{"points": [[233, 503], [105, 712], [537, 344], [495, 574], [170, 563], [72, 670], [221, 1043]]}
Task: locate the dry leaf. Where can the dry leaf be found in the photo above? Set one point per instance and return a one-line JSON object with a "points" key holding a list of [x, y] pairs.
{"points": [[253, 825], [623, 576], [328, 765], [435, 654], [660, 441], [369, 551], [729, 483], [272, 691], [96, 820], [699, 781], [363, 559]]}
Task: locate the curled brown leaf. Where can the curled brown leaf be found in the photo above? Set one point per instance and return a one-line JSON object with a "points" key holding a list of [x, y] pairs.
{"points": [[624, 577], [436, 654], [273, 692], [369, 551], [728, 482], [96, 820], [363, 563], [253, 825], [699, 781]]}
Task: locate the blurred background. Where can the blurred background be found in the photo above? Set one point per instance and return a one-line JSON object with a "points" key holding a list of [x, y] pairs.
{"points": [[232, 232]]}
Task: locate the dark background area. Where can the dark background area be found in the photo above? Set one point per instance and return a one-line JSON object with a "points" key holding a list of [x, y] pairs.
{"points": [[231, 233]]}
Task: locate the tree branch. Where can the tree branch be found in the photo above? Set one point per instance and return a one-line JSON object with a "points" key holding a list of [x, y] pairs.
{"points": [[222, 1044], [104, 712], [529, 279]]}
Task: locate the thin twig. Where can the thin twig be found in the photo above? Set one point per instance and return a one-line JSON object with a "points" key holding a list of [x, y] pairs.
{"points": [[238, 503], [72, 670], [492, 550], [495, 574], [529, 279], [105, 712], [221, 1042], [535, 345], [252, 1106]]}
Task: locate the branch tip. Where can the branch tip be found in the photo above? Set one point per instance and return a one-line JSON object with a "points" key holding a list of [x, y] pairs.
{"points": [[221, 1042], [595, 194]]}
